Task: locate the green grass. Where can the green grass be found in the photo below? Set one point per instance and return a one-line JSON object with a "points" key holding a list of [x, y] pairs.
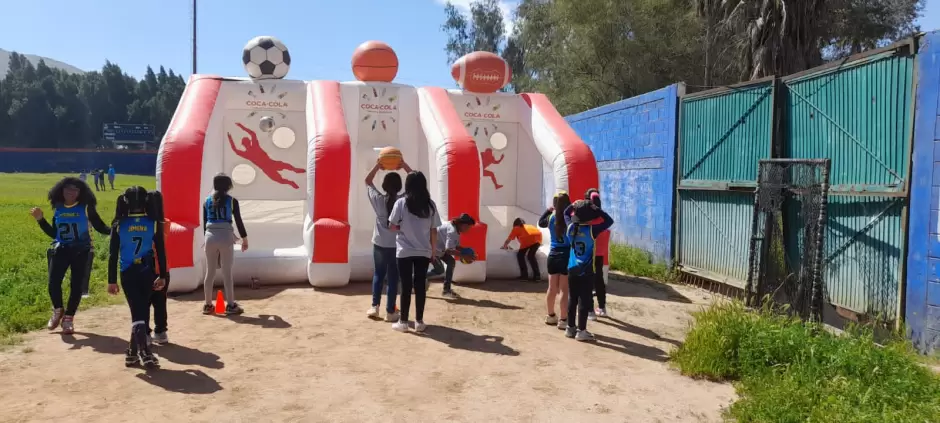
{"points": [[787, 371], [24, 299], [636, 262]]}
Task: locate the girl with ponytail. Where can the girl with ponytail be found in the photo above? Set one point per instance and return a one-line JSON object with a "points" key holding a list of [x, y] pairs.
{"points": [[220, 217], [137, 246], [383, 240], [553, 219]]}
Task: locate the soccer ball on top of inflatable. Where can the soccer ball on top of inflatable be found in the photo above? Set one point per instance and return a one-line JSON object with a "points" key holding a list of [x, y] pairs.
{"points": [[266, 57]]}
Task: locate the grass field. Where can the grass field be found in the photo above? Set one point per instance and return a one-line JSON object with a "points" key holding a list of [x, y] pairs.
{"points": [[24, 302]]}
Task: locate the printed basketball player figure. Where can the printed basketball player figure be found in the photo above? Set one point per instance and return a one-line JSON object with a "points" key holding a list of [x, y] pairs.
{"points": [[255, 154], [488, 159]]}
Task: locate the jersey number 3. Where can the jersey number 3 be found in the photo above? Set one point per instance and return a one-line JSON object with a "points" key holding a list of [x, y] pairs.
{"points": [[579, 248], [68, 231]]}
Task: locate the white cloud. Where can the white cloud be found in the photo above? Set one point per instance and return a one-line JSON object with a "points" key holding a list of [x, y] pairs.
{"points": [[505, 6]]}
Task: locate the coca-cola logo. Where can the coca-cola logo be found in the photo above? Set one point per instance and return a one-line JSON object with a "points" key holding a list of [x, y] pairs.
{"points": [[266, 104], [378, 107], [478, 115]]}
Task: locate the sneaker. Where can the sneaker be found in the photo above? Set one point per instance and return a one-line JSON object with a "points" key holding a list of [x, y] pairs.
{"points": [[373, 312], [55, 319], [208, 308], [393, 316], [591, 316], [449, 295], [160, 338], [131, 358], [233, 308], [149, 360], [584, 336], [562, 324], [601, 312], [420, 326], [68, 325], [551, 319], [571, 332], [401, 326]]}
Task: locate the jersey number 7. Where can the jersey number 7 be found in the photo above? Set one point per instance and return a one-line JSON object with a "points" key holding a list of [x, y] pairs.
{"points": [[138, 241]]}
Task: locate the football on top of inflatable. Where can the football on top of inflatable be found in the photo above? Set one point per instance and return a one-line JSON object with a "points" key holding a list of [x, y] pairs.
{"points": [[481, 72]]}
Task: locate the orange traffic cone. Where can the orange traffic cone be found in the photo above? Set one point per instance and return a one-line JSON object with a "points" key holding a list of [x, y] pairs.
{"points": [[219, 302]]}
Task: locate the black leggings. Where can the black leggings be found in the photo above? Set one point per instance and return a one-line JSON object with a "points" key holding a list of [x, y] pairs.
{"points": [[137, 283], [413, 273], [158, 301], [78, 258], [599, 286], [579, 298], [528, 253]]}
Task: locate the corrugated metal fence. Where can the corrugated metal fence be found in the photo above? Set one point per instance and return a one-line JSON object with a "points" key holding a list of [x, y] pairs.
{"points": [[858, 114]]}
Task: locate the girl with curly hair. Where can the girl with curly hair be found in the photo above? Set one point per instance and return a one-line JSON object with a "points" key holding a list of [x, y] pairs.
{"points": [[73, 205]]}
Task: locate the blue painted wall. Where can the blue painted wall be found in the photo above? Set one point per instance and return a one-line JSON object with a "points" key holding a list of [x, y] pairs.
{"points": [[922, 313], [72, 161], [634, 142]]}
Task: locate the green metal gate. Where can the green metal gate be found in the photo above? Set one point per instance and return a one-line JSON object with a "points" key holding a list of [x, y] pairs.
{"points": [[859, 114], [723, 134]]}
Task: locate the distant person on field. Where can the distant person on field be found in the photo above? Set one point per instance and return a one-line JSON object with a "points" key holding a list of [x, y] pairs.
{"points": [[97, 176], [82, 175], [530, 239], [73, 204], [383, 241], [219, 212], [137, 241], [111, 175]]}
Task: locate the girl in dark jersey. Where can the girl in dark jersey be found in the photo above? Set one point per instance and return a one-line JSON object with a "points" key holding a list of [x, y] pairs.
{"points": [[558, 254], [137, 243], [219, 212], [73, 205], [582, 265]]}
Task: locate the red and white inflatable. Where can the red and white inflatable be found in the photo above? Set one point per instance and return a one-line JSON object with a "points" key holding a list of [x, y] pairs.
{"points": [[300, 181]]}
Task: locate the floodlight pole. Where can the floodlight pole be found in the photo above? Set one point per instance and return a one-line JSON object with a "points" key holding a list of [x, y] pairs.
{"points": [[194, 37]]}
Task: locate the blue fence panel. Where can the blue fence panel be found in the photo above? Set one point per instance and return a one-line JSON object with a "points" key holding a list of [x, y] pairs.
{"points": [[922, 312], [73, 161], [634, 142]]}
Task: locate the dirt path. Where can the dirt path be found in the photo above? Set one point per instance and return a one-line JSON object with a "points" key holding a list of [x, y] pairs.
{"points": [[303, 355]]}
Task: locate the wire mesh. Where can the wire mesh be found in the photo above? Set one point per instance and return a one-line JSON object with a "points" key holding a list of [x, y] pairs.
{"points": [[787, 231]]}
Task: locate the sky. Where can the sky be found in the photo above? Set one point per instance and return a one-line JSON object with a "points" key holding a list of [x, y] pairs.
{"points": [[320, 34]]}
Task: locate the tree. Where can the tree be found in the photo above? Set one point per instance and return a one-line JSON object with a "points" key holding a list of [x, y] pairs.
{"points": [[50, 108]]}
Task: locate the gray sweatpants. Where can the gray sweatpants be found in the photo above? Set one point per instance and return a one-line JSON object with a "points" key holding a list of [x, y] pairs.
{"points": [[219, 254]]}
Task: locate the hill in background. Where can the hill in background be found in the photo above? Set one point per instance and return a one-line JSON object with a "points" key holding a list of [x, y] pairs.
{"points": [[34, 59]]}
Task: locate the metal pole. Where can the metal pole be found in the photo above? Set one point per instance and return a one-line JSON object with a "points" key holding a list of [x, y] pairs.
{"points": [[194, 37]]}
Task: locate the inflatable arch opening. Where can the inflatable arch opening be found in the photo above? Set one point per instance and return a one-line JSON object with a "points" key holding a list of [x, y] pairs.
{"points": [[299, 152]]}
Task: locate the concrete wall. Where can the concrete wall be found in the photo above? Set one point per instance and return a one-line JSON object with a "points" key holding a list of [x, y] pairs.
{"points": [[72, 161], [634, 142], [922, 308]]}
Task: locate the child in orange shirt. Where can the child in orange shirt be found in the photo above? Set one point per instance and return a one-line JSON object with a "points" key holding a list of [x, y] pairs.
{"points": [[530, 239]]}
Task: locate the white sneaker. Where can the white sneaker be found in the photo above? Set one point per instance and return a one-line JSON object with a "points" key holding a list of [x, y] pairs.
{"points": [[393, 316], [584, 336], [401, 326], [591, 316], [373, 312], [601, 312], [562, 324], [420, 326], [551, 320], [160, 338]]}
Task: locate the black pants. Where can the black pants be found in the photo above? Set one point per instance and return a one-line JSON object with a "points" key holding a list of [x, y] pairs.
{"points": [[413, 273], [599, 286], [137, 283], [78, 258], [528, 253], [158, 302], [579, 298]]}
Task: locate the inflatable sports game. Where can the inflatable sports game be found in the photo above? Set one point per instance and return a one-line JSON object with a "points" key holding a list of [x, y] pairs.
{"points": [[299, 151]]}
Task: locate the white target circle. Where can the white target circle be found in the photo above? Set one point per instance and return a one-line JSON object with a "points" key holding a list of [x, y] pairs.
{"points": [[283, 137], [498, 141], [243, 174]]}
